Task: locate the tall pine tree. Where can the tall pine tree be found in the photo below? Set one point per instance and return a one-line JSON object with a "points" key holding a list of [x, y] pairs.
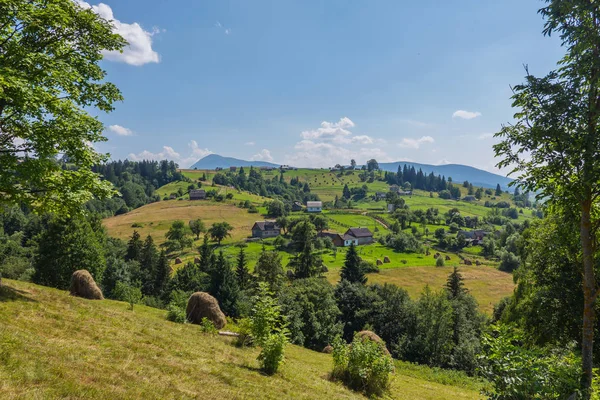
{"points": [[455, 284], [352, 271], [242, 272], [224, 286], [134, 247]]}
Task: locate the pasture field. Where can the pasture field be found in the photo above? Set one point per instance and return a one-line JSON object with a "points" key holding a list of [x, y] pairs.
{"points": [[487, 284], [53, 345], [156, 218]]}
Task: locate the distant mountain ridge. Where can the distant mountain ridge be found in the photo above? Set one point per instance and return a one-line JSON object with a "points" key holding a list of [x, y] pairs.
{"points": [[213, 161], [458, 172]]}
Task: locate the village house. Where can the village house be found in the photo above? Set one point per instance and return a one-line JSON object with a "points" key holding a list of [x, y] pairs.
{"points": [[380, 196], [401, 192], [362, 235], [265, 229], [314, 206], [356, 236], [197, 194], [233, 169], [469, 198], [297, 206], [474, 237]]}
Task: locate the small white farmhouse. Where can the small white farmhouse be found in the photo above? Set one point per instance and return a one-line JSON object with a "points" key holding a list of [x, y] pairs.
{"points": [[314, 206]]}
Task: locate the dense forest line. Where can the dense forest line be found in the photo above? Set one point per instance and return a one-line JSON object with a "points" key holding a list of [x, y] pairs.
{"points": [[136, 182]]}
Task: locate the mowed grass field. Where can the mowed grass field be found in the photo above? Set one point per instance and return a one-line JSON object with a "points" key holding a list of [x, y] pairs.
{"points": [[53, 345], [487, 284], [155, 219]]}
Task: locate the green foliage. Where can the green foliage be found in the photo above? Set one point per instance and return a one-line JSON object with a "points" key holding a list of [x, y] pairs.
{"points": [[177, 237], [311, 312], [439, 262], [219, 231], [268, 269], [242, 272], [50, 75], [197, 227], [403, 242], [351, 270], [276, 209], [519, 372], [176, 310], [268, 329], [207, 326], [271, 356], [65, 246], [127, 293], [306, 263], [362, 365], [224, 286]]}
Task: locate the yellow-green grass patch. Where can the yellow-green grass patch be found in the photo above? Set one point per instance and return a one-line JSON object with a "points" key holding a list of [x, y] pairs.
{"points": [[53, 345]]}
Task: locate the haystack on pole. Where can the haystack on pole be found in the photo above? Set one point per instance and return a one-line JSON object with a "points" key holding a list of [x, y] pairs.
{"points": [[203, 305], [83, 285]]}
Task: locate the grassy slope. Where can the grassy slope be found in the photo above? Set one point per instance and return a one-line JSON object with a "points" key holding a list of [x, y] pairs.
{"points": [[53, 345]]}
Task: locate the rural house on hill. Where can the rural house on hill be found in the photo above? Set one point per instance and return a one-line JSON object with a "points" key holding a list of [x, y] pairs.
{"points": [[356, 236], [297, 206], [265, 229], [197, 194], [362, 235], [314, 206]]}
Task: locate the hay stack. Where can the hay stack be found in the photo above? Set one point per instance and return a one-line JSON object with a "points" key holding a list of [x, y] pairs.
{"points": [[477, 262], [373, 337], [447, 258], [83, 285], [203, 305], [379, 262], [196, 260], [178, 260], [468, 262], [386, 260], [328, 349]]}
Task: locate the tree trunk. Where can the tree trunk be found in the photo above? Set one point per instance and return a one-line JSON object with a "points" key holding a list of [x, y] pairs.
{"points": [[589, 294]]}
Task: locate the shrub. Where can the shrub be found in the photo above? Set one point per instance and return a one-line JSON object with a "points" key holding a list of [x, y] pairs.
{"points": [[439, 262], [252, 209], [271, 355], [176, 310], [244, 331], [130, 294], [268, 330], [137, 225], [207, 326], [362, 366], [176, 314]]}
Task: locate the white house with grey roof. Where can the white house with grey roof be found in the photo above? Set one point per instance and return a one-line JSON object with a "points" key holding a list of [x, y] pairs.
{"points": [[314, 206]]}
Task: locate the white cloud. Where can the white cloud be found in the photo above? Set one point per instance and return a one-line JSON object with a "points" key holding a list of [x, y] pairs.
{"points": [[466, 114], [322, 147], [227, 31], [264, 155], [321, 154], [409, 143], [330, 129], [249, 143], [139, 50], [443, 161], [485, 136], [168, 153], [218, 24], [120, 130]]}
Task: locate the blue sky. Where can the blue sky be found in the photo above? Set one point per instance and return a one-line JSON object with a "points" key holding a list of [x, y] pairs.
{"points": [[314, 83]]}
